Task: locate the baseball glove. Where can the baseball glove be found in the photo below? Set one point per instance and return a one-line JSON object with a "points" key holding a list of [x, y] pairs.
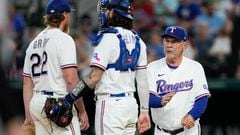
{"points": [[28, 129], [58, 111]]}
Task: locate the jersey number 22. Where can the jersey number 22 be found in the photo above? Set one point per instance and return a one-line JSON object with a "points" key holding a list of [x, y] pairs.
{"points": [[40, 63]]}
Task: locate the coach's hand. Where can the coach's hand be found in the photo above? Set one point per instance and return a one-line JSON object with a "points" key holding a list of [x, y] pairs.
{"points": [[188, 121], [166, 98]]}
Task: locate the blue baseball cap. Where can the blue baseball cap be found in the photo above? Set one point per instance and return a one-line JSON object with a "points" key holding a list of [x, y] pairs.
{"points": [[122, 7], [176, 32], [58, 6]]}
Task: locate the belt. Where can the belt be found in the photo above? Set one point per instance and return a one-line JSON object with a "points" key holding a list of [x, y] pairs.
{"points": [[113, 95], [172, 132], [44, 92], [120, 95]]}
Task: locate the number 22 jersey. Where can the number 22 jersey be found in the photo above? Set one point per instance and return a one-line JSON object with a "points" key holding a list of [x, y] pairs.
{"points": [[50, 52]]}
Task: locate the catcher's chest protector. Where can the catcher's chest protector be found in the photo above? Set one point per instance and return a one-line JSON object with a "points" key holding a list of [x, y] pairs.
{"points": [[126, 60]]}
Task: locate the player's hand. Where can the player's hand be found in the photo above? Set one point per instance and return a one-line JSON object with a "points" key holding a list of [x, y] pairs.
{"points": [[144, 122], [83, 119], [28, 120], [166, 98], [188, 121]]}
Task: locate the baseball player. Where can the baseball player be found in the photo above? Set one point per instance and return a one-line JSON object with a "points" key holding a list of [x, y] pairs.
{"points": [[178, 88], [119, 57], [50, 71], [116, 107]]}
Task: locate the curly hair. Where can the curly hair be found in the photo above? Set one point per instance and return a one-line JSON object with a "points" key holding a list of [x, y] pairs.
{"points": [[119, 21], [54, 20]]}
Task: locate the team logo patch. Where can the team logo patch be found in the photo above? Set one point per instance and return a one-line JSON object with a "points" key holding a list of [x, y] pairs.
{"points": [[129, 60], [160, 75], [95, 56], [173, 29]]}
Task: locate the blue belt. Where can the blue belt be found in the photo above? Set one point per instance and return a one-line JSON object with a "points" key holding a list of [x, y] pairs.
{"points": [[44, 92], [120, 95], [172, 132], [113, 95]]}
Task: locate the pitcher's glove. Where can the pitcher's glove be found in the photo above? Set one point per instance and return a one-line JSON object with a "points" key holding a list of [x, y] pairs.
{"points": [[58, 111]]}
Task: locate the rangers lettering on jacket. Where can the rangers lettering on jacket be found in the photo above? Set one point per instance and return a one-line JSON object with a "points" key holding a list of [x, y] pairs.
{"points": [[163, 87]]}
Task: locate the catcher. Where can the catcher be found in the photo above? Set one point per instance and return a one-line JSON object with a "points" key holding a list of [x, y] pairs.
{"points": [[49, 74]]}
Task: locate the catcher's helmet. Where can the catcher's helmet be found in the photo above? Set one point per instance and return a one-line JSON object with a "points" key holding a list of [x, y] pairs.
{"points": [[122, 7]]}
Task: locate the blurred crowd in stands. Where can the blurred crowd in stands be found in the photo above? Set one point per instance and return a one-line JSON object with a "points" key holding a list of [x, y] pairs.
{"points": [[213, 27]]}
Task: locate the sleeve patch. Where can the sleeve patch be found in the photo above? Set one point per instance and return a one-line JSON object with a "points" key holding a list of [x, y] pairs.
{"points": [[96, 57]]}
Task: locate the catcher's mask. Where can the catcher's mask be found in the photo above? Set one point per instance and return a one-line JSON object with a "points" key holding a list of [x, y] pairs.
{"points": [[122, 7]]}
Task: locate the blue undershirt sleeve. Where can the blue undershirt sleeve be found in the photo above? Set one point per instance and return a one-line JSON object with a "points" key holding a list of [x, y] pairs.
{"points": [[155, 101], [199, 107]]}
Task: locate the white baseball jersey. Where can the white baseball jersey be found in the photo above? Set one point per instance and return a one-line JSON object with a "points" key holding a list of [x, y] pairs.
{"points": [[112, 113], [50, 52], [107, 52], [187, 80]]}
